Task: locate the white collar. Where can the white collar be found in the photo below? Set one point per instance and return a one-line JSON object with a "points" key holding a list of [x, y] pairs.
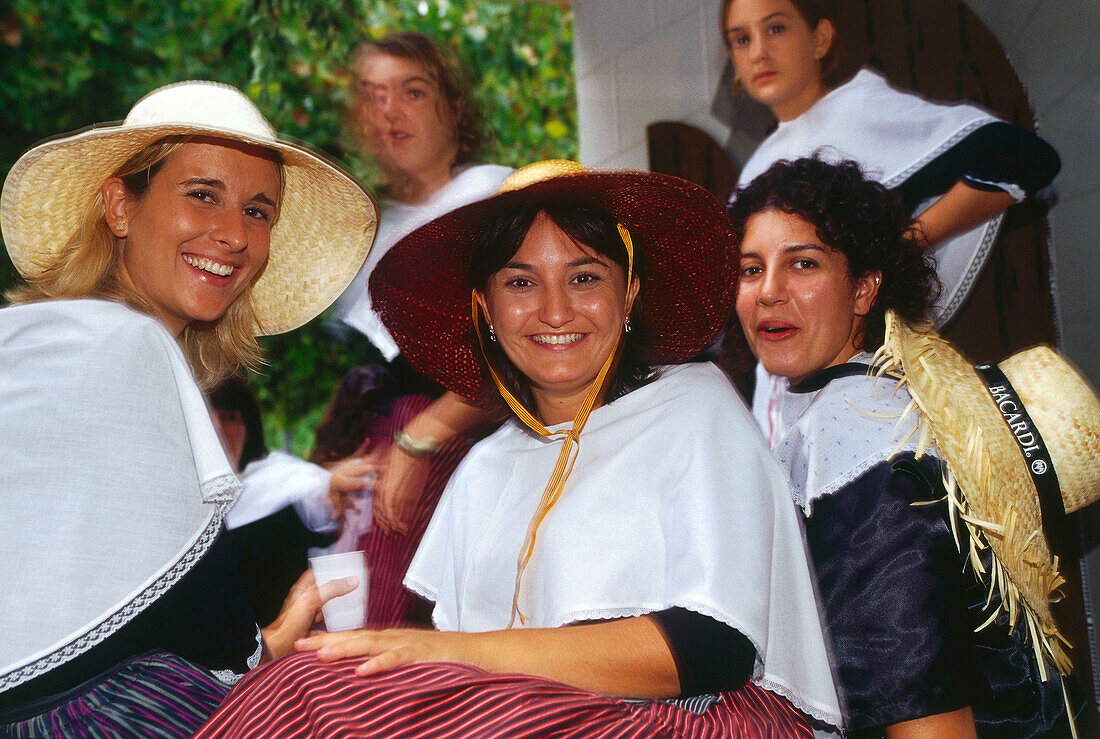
{"points": [[834, 435]]}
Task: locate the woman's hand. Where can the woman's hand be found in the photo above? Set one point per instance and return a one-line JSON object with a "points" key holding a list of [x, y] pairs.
{"points": [[393, 648], [349, 476], [301, 609], [398, 489], [628, 656]]}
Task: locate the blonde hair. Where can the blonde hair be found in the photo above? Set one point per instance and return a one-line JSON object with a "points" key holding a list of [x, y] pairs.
{"points": [[88, 266]]}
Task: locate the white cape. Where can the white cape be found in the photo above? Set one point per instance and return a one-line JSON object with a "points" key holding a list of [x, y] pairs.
{"points": [[674, 500], [354, 307], [113, 481], [891, 134]]}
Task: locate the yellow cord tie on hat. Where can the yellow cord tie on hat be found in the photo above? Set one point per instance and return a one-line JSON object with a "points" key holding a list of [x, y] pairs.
{"points": [[571, 437]]}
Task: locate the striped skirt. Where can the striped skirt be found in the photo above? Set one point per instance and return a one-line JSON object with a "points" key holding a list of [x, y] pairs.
{"points": [[301, 697], [155, 695]]}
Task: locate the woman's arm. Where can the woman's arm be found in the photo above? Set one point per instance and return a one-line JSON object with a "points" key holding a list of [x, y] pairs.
{"points": [[980, 176], [401, 481], [961, 208], [627, 657], [951, 725]]}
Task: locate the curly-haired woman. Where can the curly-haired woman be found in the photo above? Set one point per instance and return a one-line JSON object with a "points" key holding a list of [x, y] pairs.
{"points": [[825, 253]]}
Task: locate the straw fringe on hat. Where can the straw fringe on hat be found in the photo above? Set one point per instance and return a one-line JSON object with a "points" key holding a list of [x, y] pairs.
{"points": [[326, 225], [990, 487]]}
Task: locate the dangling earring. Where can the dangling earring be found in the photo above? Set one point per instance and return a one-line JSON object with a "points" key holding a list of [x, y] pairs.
{"points": [[626, 325], [120, 226], [492, 333]]}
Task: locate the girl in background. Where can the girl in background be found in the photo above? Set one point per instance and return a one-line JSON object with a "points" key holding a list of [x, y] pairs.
{"points": [[956, 167]]}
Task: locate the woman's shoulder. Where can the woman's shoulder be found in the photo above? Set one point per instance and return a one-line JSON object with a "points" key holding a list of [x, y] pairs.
{"points": [[690, 388], [94, 315], [470, 183], [482, 175], [108, 341]]}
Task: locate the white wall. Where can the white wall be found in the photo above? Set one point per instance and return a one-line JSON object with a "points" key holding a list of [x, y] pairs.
{"points": [[640, 61]]}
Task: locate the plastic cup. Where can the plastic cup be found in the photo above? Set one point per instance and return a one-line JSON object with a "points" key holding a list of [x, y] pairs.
{"points": [[347, 611]]}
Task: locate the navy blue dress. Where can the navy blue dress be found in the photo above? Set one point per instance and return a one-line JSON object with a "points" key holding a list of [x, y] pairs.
{"points": [[901, 605]]}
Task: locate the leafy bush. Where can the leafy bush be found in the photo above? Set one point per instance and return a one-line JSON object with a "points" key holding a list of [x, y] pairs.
{"points": [[67, 64]]}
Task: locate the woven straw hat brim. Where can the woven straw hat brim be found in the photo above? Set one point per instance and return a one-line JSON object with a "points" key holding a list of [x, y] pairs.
{"points": [[996, 495], [326, 225], [1066, 411], [421, 287], [983, 458]]}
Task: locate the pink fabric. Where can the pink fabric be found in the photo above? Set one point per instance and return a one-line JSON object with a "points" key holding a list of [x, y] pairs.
{"points": [[301, 697], [389, 555]]}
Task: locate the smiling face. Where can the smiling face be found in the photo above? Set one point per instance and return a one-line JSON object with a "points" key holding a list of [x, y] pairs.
{"points": [[798, 305], [557, 308], [777, 55], [406, 123], [199, 235]]}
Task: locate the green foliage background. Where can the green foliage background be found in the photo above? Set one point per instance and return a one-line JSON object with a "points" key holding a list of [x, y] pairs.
{"points": [[67, 64]]}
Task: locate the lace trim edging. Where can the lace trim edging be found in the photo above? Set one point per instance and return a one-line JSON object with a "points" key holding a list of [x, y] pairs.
{"points": [[98, 633]]}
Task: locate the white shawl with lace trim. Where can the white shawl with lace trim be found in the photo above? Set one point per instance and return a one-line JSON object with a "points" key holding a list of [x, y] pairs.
{"points": [[113, 481]]}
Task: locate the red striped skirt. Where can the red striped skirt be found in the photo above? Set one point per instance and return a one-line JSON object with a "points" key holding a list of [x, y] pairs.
{"points": [[301, 697]]}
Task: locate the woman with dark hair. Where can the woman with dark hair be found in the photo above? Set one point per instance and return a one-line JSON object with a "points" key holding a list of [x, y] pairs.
{"points": [[825, 254], [956, 167], [624, 533]]}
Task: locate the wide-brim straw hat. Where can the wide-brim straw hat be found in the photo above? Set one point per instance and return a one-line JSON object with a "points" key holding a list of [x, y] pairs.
{"points": [[421, 288], [995, 462], [326, 225]]}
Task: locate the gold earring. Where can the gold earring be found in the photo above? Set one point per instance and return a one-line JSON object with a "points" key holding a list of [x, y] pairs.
{"points": [[120, 225]]}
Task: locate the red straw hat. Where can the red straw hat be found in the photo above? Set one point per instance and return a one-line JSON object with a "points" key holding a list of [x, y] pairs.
{"points": [[421, 288]]}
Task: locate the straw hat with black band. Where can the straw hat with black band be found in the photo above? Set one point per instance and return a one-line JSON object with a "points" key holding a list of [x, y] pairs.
{"points": [[1021, 444], [421, 288], [326, 225]]}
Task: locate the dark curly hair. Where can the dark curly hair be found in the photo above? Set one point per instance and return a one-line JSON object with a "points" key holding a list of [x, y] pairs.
{"points": [[859, 217]]}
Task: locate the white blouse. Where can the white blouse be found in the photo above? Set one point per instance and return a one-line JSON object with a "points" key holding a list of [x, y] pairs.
{"points": [[674, 500]]}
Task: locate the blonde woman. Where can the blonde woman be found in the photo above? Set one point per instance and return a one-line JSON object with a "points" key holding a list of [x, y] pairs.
{"points": [[154, 253]]}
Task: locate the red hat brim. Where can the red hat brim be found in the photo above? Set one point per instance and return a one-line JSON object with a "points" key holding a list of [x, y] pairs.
{"points": [[421, 287]]}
